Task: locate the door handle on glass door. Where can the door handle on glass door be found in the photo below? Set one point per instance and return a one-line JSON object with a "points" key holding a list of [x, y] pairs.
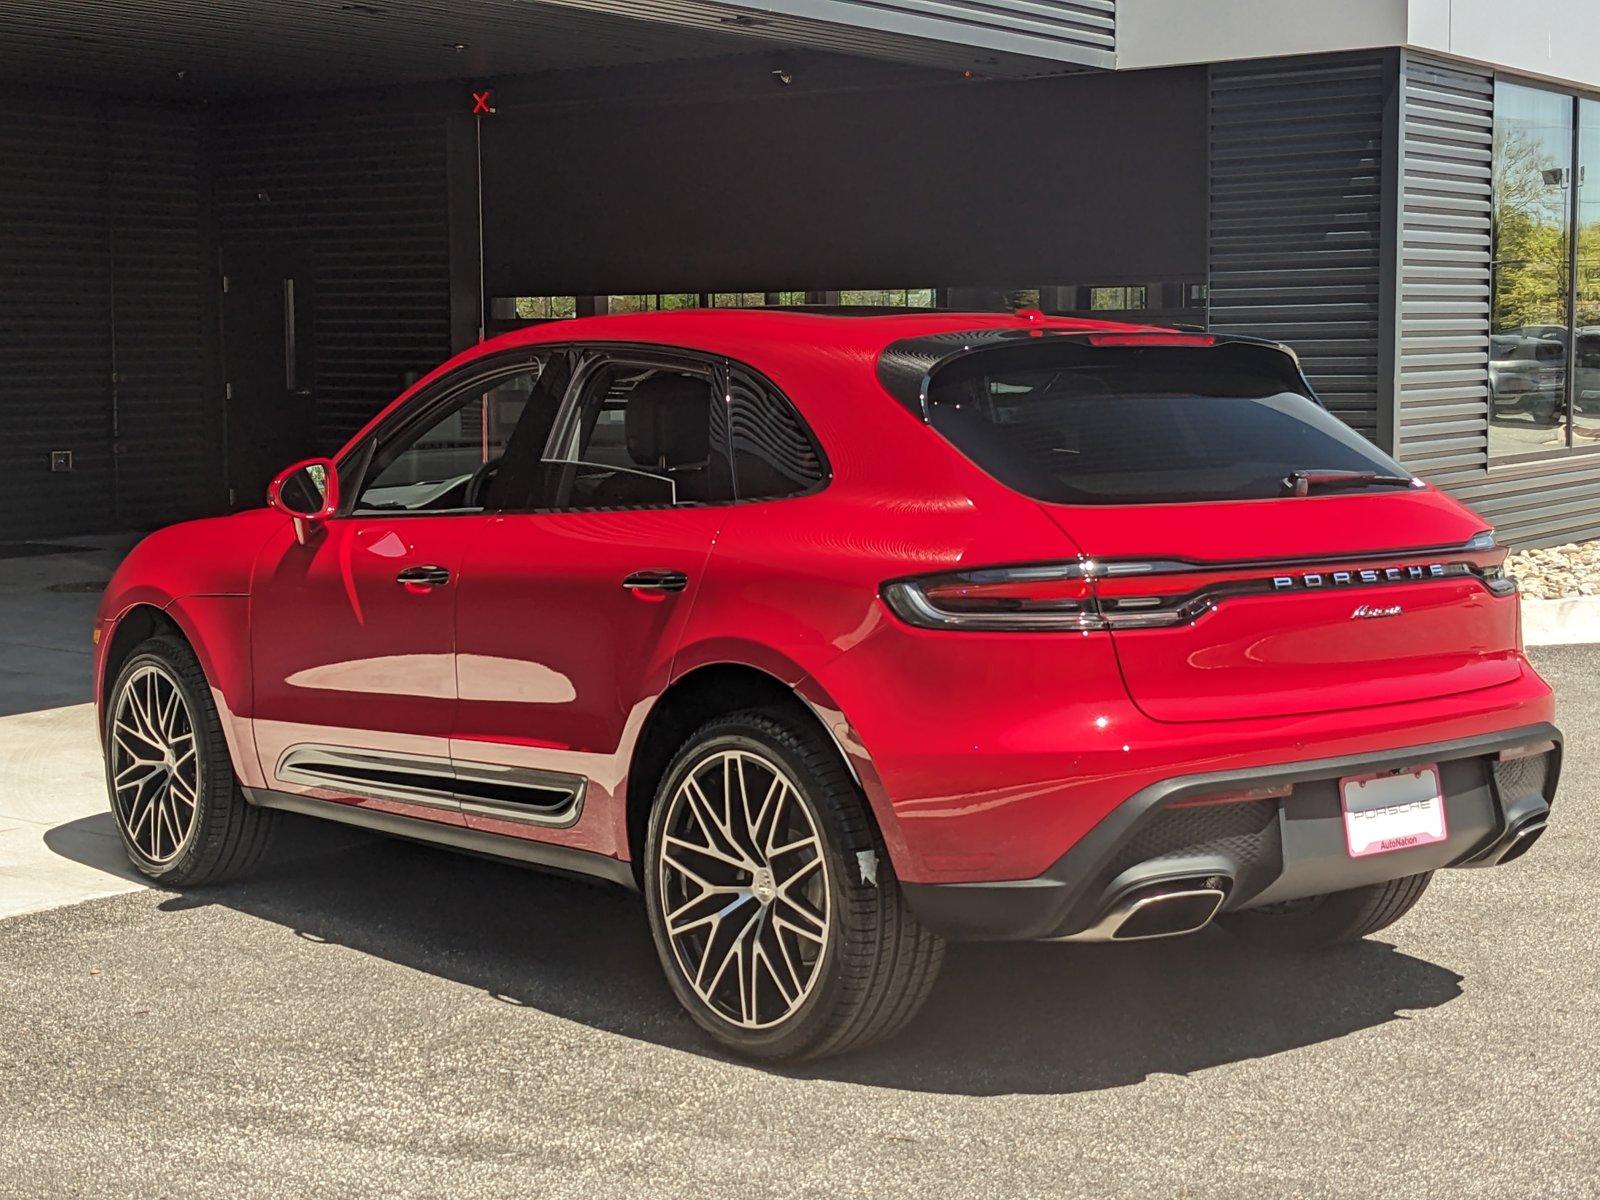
{"points": [[423, 577], [656, 581]]}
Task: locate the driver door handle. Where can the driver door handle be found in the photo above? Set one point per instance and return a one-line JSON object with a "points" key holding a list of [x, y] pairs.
{"points": [[427, 577], [656, 581]]}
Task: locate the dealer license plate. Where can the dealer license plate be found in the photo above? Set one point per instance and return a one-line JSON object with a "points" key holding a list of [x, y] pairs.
{"points": [[1383, 813]]}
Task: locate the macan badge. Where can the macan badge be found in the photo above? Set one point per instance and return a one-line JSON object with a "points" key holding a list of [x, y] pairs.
{"points": [[1365, 612]]}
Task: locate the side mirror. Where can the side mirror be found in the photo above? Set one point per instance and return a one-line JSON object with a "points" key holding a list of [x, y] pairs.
{"points": [[309, 493]]}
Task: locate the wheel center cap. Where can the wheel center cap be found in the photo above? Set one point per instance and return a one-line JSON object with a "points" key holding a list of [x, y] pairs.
{"points": [[763, 886]]}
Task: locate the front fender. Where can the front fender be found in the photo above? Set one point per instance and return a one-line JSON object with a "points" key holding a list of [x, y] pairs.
{"points": [[197, 575]]}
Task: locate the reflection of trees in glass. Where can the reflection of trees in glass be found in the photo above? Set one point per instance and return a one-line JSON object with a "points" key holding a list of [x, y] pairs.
{"points": [[1530, 230], [1117, 299], [889, 297], [652, 303], [546, 308], [1588, 282]]}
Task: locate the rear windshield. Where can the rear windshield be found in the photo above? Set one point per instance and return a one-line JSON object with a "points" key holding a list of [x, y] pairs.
{"points": [[1071, 423]]}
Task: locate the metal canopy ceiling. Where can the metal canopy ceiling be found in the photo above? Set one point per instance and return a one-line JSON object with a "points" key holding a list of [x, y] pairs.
{"points": [[221, 48]]}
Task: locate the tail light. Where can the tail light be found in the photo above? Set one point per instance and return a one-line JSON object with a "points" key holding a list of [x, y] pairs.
{"points": [[1049, 596], [1058, 596], [1092, 595]]}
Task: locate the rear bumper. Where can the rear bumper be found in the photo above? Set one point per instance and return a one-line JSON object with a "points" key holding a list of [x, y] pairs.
{"points": [[1258, 851]]}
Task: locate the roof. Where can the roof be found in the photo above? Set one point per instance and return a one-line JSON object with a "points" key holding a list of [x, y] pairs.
{"points": [[865, 331]]}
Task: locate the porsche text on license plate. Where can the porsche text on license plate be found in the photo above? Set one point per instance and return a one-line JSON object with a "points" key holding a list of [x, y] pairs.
{"points": [[1392, 812]]}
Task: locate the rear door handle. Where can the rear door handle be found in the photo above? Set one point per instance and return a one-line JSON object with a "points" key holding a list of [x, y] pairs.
{"points": [[428, 577], [656, 581]]}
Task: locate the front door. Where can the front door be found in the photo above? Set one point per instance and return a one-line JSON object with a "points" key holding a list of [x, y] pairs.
{"points": [[267, 362], [353, 638], [569, 614]]}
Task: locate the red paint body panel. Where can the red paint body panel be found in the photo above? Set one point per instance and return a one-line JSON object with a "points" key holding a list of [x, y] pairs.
{"points": [[986, 756], [557, 661], [346, 656]]}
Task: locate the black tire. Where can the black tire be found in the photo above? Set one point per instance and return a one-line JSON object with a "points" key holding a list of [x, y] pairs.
{"points": [[222, 834], [1321, 921], [876, 965]]}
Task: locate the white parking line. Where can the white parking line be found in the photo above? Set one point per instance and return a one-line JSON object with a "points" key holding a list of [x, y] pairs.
{"points": [[58, 843]]}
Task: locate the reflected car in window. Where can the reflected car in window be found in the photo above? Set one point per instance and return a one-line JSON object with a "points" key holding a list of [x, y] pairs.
{"points": [[1527, 376]]}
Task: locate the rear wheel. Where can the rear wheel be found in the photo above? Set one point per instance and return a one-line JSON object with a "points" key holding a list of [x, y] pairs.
{"points": [[772, 902], [179, 808], [1319, 921]]}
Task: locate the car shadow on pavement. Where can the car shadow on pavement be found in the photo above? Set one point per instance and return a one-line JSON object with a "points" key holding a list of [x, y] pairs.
{"points": [[1015, 1018]]}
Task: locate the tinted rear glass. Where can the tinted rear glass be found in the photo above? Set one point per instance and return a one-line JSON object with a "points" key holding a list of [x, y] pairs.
{"points": [[1070, 423]]}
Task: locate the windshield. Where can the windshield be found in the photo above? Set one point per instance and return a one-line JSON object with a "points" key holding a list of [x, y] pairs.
{"points": [[1072, 423]]}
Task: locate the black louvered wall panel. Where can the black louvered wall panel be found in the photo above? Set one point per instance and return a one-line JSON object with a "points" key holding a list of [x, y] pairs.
{"points": [[55, 331], [1442, 390], [167, 415], [1295, 234], [367, 195]]}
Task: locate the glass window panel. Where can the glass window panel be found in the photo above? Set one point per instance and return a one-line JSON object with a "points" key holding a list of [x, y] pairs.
{"points": [[1586, 357], [1117, 299], [450, 465], [652, 303], [682, 460], [889, 298], [1532, 217], [546, 308]]}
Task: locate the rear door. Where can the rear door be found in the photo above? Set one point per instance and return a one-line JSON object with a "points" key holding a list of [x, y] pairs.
{"points": [[1252, 555], [575, 597]]}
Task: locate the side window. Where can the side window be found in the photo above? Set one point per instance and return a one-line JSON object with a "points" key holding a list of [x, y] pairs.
{"points": [[773, 456], [642, 436], [461, 459]]}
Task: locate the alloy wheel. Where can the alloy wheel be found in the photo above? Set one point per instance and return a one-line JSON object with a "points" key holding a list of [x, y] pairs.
{"points": [[155, 768], [744, 888]]}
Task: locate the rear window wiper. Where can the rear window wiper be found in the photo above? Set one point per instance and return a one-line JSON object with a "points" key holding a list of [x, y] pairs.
{"points": [[1303, 483]]}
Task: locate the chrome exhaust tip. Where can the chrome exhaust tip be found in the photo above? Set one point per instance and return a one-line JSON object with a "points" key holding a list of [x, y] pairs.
{"points": [[1521, 839], [1158, 910]]}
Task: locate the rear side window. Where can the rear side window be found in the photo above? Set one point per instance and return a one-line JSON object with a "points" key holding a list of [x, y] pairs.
{"points": [[773, 456], [643, 436], [1072, 423]]}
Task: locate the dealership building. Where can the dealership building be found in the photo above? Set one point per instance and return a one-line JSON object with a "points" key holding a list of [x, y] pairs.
{"points": [[231, 231]]}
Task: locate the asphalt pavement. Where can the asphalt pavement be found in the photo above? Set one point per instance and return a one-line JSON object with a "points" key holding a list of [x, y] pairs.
{"points": [[369, 1018]]}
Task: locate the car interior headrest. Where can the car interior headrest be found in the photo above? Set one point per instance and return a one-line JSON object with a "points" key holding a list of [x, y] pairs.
{"points": [[668, 422]]}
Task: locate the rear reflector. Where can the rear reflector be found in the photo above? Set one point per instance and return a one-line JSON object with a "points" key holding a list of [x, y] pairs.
{"points": [[1512, 753], [1237, 796]]}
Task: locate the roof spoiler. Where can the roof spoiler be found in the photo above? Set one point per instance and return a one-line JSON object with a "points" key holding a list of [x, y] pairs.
{"points": [[906, 368]]}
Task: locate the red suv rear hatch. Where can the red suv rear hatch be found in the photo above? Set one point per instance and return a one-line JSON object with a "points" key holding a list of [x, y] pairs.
{"points": [[1249, 553], [1299, 605]]}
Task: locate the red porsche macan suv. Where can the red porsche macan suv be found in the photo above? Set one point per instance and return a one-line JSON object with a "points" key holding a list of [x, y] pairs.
{"points": [[841, 635]]}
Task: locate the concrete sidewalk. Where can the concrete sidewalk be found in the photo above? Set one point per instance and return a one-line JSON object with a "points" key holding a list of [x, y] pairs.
{"points": [[58, 843]]}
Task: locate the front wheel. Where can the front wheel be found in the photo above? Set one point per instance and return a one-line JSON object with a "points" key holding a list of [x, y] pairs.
{"points": [[1317, 922], [773, 905], [179, 808]]}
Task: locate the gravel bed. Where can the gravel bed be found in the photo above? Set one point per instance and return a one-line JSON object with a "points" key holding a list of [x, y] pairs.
{"points": [[1557, 572]]}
